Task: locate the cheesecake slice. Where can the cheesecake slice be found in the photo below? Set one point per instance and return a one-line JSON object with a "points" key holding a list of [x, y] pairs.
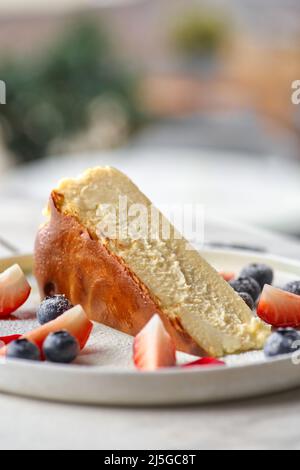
{"points": [[100, 249]]}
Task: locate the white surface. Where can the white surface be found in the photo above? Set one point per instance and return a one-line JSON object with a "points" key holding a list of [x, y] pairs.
{"points": [[105, 374], [267, 423]]}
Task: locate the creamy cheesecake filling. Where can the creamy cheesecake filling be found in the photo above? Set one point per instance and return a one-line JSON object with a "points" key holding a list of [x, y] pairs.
{"points": [[182, 283]]}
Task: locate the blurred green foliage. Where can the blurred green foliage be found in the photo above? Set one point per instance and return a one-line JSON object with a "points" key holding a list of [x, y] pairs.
{"points": [[48, 97], [200, 33]]}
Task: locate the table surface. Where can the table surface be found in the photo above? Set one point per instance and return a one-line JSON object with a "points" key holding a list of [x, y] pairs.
{"points": [[256, 191], [264, 423]]}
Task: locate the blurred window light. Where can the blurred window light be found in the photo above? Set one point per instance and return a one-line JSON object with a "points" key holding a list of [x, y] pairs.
{"points": [[36, 5], [32, 6]]}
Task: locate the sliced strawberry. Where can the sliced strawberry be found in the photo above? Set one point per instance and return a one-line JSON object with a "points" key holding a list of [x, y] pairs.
{"points": [[14, 290], [74, 321], [227, 276], [9, 339], [205, 362], [153, 347], [279, 308]]}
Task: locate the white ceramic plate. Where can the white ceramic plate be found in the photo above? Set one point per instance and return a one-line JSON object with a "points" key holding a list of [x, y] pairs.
{"points": [[104, 373]]}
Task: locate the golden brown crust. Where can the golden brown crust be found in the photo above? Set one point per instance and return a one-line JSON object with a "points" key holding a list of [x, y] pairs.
{"points": [[69, 261]]}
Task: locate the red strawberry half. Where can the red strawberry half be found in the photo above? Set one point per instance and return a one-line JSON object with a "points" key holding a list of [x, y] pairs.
{"points": [[279, 308], [227, 276], [14, 290], [9, 339], [74, 321], [205, 362], [153, 347]]}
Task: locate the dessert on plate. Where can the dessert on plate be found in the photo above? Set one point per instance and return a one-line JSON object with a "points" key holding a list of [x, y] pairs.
{"points": [[122, 281]]}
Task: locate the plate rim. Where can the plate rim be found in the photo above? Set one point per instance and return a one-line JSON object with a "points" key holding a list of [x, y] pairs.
{"points": [[177, 370]]}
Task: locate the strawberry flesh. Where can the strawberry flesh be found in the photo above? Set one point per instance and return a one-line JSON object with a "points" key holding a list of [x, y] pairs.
{"points": [[14, 290], [153, 347], [9, 339], [279, 308], [205, 362], [74, 321], [227, 276]]}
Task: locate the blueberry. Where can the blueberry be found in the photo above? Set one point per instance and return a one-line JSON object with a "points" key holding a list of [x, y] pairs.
{"points": [[283, 341], [247, 299], [61, 347], [262, 273], [293, 287], [23, 349], [52, 307], [248, 285]]}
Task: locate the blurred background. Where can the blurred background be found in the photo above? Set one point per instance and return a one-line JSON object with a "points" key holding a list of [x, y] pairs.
{"points": [[191, 98]]}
